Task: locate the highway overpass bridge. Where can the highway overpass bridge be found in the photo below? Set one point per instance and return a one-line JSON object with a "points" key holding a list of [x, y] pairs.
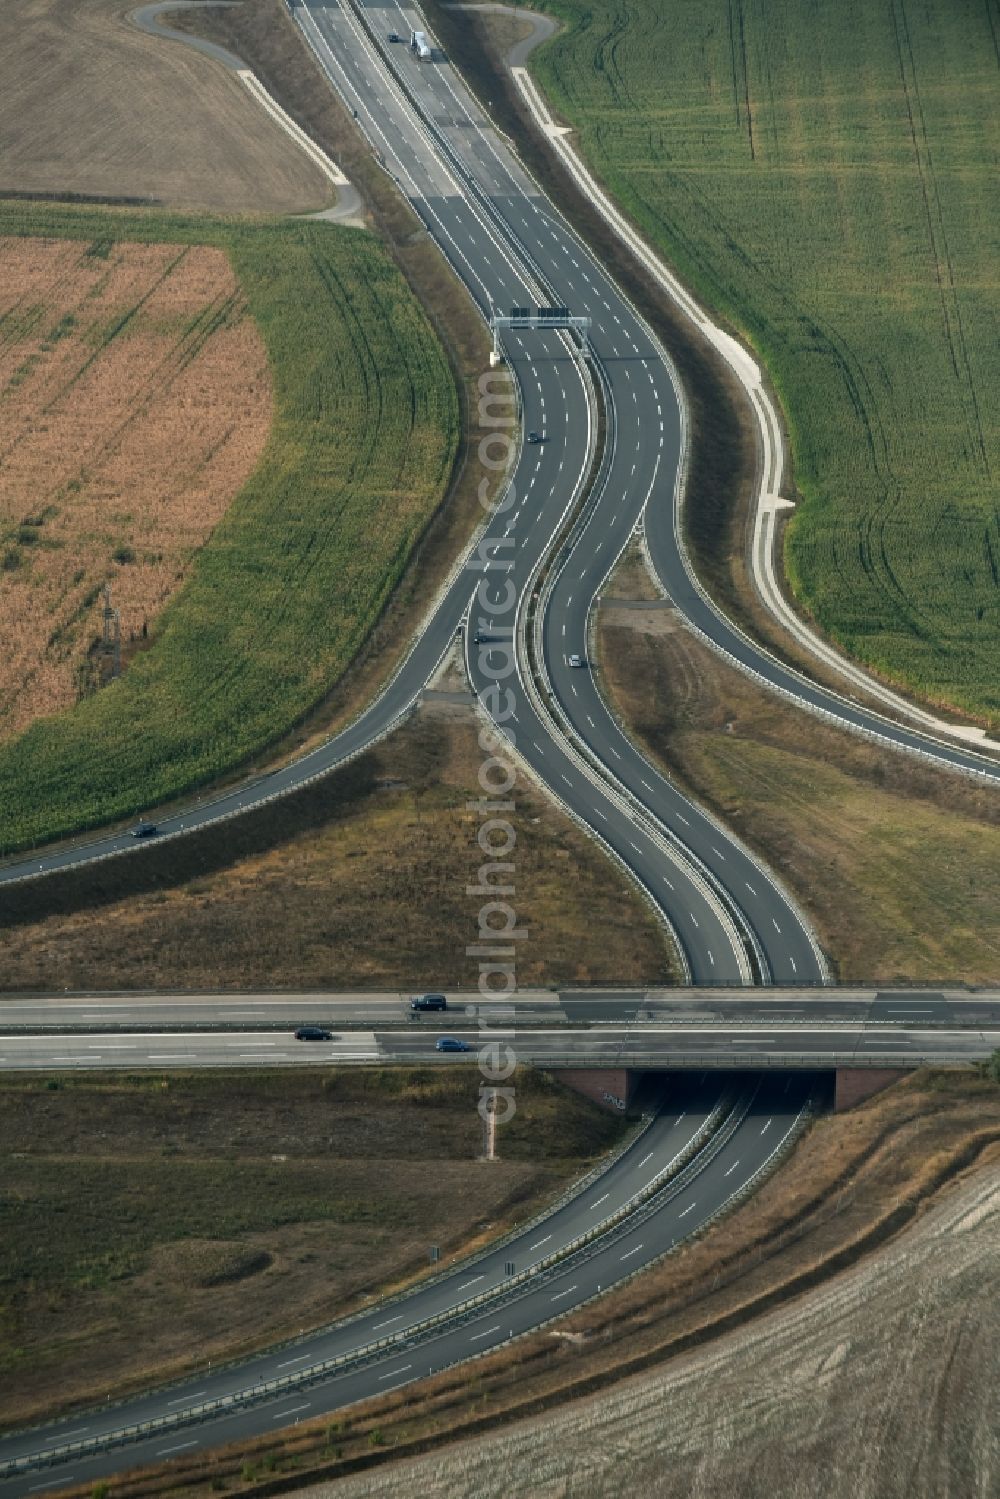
{"points": [[601, 1041]]}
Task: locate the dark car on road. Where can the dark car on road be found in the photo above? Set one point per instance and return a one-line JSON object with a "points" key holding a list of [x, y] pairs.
{"points": [[429, 1002], [536, 437], [144, 830], [393, 36], [451, 1043], [313, 1033]]}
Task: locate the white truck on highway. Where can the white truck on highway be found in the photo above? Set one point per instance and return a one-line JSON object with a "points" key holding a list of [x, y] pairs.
{"points": [[421, 46]]}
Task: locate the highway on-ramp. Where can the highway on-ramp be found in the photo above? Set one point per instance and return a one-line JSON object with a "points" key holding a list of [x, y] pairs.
{"points": [[732, 919], [729, 1129]]}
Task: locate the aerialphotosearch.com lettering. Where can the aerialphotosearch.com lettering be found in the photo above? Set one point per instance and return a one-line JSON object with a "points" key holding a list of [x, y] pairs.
{"points": [[492, 618]]}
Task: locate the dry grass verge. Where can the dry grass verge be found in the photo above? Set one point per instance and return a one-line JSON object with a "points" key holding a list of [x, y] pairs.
{"points": [[91, 106], [334, 887], [854, 1182], [152, 1224], [896, 864]]}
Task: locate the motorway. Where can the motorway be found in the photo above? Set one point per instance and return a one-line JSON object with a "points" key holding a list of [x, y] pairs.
{"points": [[106, 1013], [779, 1041], [704, 1148], [732, 920]]}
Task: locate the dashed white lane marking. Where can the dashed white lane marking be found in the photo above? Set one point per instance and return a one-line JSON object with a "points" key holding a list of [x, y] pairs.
{"points": [[393, 1372], [471, 1282], [283, 1415], [477, 1337], [731, 1169], [597, 1204], [388, 1323], [766, 1126], [688, 1210], [683, 819], [647, 1157], [302, 1356], [567, 780], [777, 928], [564, 1293], [666, 881], [630, 1253], [694, 918], [162, 1452], [637, 848], [710, 958], [718, 852], [539, 1243], [750, 888]]}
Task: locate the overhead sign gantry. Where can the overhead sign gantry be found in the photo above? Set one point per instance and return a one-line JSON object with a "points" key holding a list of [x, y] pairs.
{"points": [[539, 317]]}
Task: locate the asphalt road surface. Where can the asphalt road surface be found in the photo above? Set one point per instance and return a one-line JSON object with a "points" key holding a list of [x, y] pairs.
{"points": [[732, 920], [758, 1117], [777, 1042], [107, 1013]]}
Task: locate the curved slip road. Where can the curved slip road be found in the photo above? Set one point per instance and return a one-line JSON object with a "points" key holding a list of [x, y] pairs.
{"points": [[470, 192], [670, 1134], [511, 248], [764, 1114]]}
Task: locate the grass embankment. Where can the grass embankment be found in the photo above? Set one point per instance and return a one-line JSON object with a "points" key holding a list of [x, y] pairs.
{"points": [[144, 1217], [896, 864], [823, 177], [334, 887], [297, 573], [851, 1186]]}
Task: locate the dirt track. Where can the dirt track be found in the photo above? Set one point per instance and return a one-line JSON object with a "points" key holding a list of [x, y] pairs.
{"points": [[881, 1385], [88, 104]]}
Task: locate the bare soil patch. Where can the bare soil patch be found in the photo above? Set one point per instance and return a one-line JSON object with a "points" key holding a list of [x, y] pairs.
{"points": [[151, 1224], [135, 400], [90, 105], [334, 887]]}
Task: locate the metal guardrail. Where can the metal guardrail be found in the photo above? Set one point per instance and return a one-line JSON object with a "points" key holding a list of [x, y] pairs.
{"points": [[673, 1176]]}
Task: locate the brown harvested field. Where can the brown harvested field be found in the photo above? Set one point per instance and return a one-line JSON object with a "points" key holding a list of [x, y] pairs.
{"points": [[797, 1347], [881, 1386], [90, 105], [896, 864], [135, 400], [201, 1215], [358, 881]]}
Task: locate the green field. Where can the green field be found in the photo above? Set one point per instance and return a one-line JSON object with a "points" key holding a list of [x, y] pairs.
{"points": [[825, 176], [280, 599]]}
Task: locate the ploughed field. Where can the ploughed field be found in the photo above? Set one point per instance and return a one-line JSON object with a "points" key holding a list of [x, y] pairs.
{"points": [[296, 570], [825, 177]]}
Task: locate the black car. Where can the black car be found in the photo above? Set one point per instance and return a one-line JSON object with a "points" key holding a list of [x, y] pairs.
{"points": [[393, 37], [144, 830], [313, 1033], [429, 1002], [535, 437]]}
